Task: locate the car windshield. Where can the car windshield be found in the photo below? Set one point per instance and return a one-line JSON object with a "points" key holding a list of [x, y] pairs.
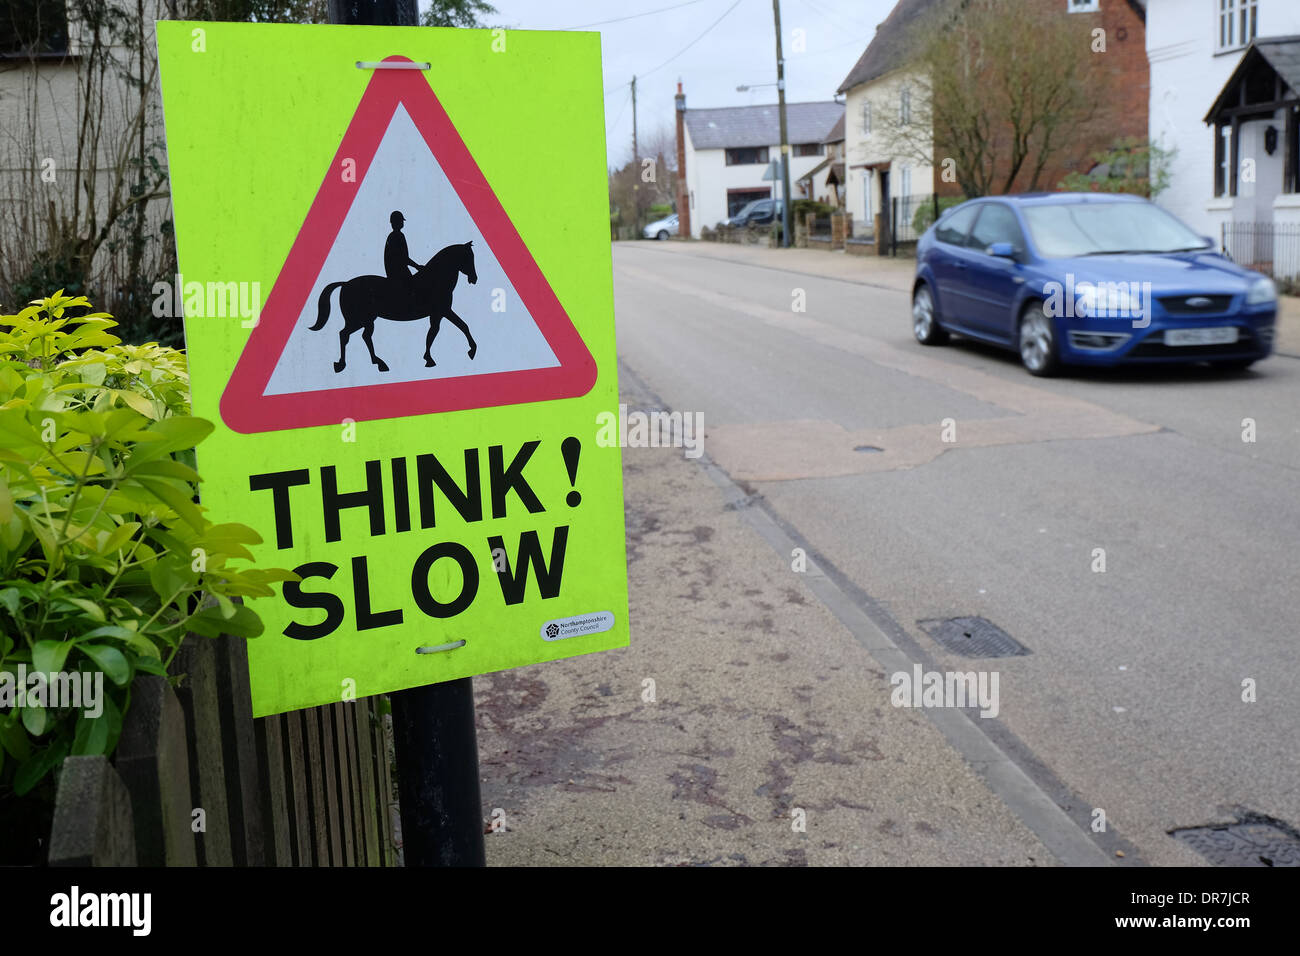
{"points": [[1063, 230]]}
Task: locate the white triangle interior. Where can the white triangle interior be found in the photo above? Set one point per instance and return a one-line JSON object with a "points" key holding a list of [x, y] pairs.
{"points": [[406, 177]]}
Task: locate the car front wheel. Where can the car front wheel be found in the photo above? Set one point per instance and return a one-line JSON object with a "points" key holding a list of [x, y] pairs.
{"points": [[1038, 351], [663, 234], [925, 325]]}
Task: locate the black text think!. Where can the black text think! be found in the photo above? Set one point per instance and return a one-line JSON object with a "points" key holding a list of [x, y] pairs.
{"points": [[298, 500]]}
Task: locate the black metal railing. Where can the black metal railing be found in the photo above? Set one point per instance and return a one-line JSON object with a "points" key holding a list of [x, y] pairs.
{"points": [[909, 217], [1268, 247]]}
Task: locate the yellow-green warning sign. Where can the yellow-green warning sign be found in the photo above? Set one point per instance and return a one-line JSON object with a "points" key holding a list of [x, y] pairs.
{"points": [[395, 276]]}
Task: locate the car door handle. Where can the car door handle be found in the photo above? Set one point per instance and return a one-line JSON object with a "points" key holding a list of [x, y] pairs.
{"points": [[959, 265]]}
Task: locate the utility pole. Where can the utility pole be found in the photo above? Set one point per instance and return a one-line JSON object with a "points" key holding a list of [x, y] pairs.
{"points": [[433, 726], [398, 13], [785, 143], [636, 169]]}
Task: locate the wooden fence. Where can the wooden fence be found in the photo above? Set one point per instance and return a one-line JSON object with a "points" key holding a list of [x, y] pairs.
{"points": [[307, 788]]}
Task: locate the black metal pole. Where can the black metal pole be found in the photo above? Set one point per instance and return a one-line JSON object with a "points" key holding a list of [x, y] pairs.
{"points": [[394, 13], [433, 726], [437, 775]]}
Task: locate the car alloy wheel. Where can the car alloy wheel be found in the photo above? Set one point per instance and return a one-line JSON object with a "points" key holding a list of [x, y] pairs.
{"points": [[924, 324], [1038, 341]]}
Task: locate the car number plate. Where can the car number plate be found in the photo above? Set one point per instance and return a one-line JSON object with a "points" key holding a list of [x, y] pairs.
{"points": [[1224, 335]]}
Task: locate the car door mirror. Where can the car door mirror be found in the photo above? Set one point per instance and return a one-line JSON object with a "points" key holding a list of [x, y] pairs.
{"points": [[1209, 242], [1003, 250]]}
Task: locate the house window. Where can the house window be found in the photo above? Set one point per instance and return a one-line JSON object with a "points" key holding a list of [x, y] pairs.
{"points": [[1237, 23], [808, 149], [866, 117], [1083, 6], [748, 156], [1223, 168], [738, 199], [33, 27], [905, 183], [904, 107]]}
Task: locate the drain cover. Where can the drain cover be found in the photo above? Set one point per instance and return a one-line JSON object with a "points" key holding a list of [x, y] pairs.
{"points": [[974, 637], [1255, 840]]}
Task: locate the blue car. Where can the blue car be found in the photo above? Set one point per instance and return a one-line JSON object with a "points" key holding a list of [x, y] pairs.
{"points": [[1087, 279]]}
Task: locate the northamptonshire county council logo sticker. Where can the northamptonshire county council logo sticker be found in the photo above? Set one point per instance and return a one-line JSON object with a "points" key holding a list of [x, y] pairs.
{"points": [[562, 627]]}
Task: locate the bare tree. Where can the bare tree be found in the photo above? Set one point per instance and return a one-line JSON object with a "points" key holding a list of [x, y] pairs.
{"points": [[661, 147], [1002, 88], [86, 160]]}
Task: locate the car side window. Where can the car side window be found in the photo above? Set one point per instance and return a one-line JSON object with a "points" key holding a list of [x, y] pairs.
{"points": [[953, 229], [997, 223]]}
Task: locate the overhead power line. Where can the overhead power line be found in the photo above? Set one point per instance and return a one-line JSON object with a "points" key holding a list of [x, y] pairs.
{"points": [[634, 16], [693, 42]]}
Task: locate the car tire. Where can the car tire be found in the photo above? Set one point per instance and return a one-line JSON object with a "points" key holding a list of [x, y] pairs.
{"points": [[1036, 341], [1233, 365], [925, 317], [663, 234]]}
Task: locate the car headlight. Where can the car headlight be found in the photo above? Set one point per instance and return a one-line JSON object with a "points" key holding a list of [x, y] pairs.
{"points": [[1263, 290]]}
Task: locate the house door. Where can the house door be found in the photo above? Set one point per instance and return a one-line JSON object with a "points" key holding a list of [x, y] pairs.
{"points": [[884, 200]]}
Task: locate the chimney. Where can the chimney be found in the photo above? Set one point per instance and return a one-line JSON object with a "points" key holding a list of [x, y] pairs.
{"points": [[683, 194]]}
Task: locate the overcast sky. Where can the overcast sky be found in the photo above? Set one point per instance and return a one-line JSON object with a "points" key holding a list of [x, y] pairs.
{"points": [[666, 40]]}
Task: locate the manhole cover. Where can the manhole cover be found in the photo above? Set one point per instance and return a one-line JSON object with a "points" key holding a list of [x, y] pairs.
{"points": [[1255, 840], [974, 637]]}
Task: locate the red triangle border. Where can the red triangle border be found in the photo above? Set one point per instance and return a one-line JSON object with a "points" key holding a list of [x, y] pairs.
{"points": [[246, 409]]}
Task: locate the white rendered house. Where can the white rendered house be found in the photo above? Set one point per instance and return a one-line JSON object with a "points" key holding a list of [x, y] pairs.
{"points": [[1225, 94], [729, 151]]}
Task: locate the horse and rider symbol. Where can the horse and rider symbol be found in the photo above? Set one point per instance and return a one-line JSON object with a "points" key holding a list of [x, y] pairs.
{"points": [[400, 296]]}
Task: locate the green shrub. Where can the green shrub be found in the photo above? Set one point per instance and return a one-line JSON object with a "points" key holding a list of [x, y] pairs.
{"points": [[1131, 165], [106, 561], [801, 207], [923, 218]]}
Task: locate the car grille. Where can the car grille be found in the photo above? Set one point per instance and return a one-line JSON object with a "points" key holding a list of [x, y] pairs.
{"points": [[1195, 304]]}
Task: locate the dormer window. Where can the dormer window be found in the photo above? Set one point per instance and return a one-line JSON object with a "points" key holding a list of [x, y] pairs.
{"points": [[1238, 23]]}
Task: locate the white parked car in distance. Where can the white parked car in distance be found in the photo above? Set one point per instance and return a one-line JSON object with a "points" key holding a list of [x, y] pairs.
{"points": [[661, 228]]}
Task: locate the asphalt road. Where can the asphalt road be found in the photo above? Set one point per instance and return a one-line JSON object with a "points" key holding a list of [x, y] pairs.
{"points": [[1131, 700]]}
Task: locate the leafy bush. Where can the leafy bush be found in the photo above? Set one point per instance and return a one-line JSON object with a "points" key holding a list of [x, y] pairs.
{"points": [[1131, 165], [106, 561], [923, 218], [801, 207]]}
